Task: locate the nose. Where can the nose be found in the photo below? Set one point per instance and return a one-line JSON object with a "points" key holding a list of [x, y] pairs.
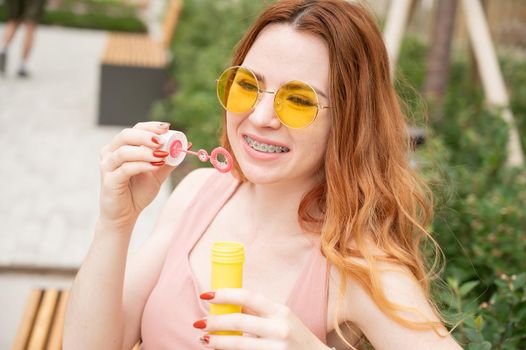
{"points": [[263, 114]]}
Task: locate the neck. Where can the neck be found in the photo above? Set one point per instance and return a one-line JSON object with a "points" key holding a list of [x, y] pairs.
{"points": [[274, 207]]}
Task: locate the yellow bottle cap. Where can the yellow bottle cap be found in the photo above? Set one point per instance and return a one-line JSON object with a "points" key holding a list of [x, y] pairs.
{"points": [[228, 252]]}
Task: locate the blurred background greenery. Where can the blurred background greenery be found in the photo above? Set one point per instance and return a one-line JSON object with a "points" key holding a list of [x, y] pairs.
{"points": [[480, 219], [114, 15], [202, 48]]}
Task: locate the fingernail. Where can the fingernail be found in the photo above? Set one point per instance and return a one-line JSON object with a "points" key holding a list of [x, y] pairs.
{"points": [[160, 154], [201, 324], [157, 140], [157, 163], [207, 295], [164, 125], [205, 339]]}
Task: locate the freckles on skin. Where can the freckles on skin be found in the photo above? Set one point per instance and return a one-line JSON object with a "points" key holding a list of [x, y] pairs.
{"points": [[281, 54]]}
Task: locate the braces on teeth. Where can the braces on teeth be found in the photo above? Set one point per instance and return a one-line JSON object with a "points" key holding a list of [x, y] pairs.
{"points": [[263, 147]]}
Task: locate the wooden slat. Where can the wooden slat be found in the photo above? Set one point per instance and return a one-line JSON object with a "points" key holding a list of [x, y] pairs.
{"points": [[170, 22], [57, 329], [139, 49], [24, 331], [43, 320], [134, 50]]}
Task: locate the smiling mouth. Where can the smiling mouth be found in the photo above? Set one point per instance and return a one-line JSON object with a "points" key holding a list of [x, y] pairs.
{"points": [[264, 147]]}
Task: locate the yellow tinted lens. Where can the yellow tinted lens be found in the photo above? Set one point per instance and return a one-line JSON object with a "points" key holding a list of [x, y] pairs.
{"points": [[237, 90], [296, 104]]}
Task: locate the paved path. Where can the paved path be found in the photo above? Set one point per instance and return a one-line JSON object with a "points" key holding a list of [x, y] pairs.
{"points": [[49, 146], [50, 142]]}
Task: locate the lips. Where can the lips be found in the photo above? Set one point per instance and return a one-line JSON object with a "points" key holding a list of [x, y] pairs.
{"points": [[264, 147], [257, 149], [270, 145]]}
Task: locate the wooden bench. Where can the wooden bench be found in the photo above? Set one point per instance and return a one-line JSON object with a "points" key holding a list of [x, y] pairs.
{"points": [[134, 71], [43, 321], [42, 324]]}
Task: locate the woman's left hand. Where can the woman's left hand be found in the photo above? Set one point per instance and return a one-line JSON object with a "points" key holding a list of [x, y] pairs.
{"points": [[273, 326]]}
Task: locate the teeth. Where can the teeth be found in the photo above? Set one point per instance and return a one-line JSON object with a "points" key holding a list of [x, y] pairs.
{"points": [[263, 147]]}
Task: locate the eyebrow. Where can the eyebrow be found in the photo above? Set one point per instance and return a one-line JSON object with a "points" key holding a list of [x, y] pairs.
{"points": [[260, 78]]}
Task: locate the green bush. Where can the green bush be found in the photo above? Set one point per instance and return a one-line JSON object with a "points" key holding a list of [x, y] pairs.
{"points": [[514, 70], [94, 21], [479, 223], [202, 49], [109, 15], [495, 323]]}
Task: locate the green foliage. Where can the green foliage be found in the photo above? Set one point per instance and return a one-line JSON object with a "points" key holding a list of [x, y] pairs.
{"points": [[3, 13], [109, 15], [497, 323], [410, 75], [94, 21], [202, 49], [480, 222], [514, 70]]}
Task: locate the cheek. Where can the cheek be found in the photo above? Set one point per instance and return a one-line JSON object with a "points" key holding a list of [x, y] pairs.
{"points": [[233, 120], [323, 132], [232, 125], [318, 152], [315, 146]]}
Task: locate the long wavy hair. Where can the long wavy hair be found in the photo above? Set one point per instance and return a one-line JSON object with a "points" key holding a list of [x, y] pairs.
{"points": [[369, 195]]}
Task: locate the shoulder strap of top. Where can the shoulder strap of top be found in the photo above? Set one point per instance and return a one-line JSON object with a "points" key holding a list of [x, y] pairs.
{"points": [[310, 299], [210, 198]]}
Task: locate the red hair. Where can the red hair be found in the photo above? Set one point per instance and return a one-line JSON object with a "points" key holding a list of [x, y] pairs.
{"points": [[369, 195]]}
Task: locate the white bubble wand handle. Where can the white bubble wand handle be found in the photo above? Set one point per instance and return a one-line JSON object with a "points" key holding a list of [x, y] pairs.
{"points": [[177, 145]]}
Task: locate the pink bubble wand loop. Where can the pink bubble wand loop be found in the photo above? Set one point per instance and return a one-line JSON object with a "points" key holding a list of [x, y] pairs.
{"points": [[177, 146], [222, 166]]}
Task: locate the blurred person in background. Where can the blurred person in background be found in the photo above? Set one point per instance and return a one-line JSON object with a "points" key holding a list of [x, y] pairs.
{"points": [[28, 12]]}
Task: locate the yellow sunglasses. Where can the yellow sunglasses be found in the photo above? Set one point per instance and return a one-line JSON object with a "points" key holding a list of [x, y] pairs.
{"points": [[295, 102]]}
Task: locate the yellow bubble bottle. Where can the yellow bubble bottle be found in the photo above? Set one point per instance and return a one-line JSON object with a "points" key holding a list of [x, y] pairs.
{"points": [[227, 272]]}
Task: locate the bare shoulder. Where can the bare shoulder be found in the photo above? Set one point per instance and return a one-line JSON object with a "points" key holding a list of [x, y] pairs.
{"points": [[401, 288], [398, 285], [190, 185], [180, 198]]}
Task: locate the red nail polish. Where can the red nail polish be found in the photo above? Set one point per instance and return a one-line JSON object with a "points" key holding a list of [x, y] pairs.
{"points": [[208, 296], [205, 339], [157, 163], [201, 324], [156, 140], [160, 154]]}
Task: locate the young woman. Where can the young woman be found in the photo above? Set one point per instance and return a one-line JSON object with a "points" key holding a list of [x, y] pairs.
{"points": [[322, 197]]}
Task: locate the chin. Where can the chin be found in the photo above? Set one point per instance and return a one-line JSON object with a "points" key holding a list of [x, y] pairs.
{"points": [[259, 175]]}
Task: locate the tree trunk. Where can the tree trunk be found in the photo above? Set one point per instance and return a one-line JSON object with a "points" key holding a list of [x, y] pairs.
{"points": [[438, 60]]}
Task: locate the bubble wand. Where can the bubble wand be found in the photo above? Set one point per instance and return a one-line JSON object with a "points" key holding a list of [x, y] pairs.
{"points": [[177, 145]]}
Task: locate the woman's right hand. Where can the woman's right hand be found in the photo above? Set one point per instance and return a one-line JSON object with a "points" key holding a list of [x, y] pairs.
{"points": [[132, 171]]}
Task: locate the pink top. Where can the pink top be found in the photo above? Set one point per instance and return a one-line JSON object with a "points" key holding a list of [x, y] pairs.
{"points": [[174, 304]]}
